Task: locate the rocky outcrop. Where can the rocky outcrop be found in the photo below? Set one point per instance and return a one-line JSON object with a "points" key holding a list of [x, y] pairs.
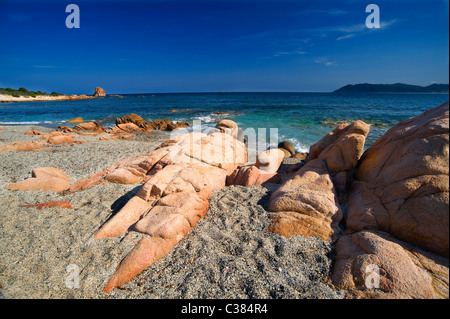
{"points": [[76, 120], [99, 92], [264, 171], [402, 183], [308, 203], [342, 148], [228, 127], [398, 214], [163, 125], [43, 179], [89, 126], [374, 264], [130, 118], [133, 122], [23, 146], [252, 176], [178, 178], [286, 145]]}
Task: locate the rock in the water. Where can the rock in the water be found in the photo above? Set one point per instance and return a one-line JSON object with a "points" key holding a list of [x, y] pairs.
{"points": [[163, 125], [76, 120], [99, 92], [131, 118], [287, 146]]}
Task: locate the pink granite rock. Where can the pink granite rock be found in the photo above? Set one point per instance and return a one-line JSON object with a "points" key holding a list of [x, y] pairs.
{"points": [[306, 204]]}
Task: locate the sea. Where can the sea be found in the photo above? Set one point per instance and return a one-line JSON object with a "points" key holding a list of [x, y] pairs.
{"points": [[301, 118]]}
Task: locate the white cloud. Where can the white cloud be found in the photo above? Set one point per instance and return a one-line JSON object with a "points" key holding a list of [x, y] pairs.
{"points": [[325, 61], [294, 52], [354, 30]]}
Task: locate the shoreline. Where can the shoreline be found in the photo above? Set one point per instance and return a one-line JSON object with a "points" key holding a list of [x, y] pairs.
{"points": [[41, 98], [256, 241]]}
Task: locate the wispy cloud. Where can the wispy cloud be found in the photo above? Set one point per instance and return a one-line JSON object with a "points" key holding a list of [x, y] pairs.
{"points": [[347, 36], [359, 29], [331, 12], [325, 61], [294, 52], [44, 66]]}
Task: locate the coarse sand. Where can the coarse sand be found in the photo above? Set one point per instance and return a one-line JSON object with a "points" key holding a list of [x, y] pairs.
{"points": [[51, 253]]}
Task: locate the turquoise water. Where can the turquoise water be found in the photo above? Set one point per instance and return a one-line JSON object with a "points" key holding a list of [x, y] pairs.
{"points": [[302, 118]]}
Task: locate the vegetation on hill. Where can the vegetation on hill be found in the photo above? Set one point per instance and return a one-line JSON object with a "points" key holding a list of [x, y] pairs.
{"points": [[25, 93], [394, 88]]}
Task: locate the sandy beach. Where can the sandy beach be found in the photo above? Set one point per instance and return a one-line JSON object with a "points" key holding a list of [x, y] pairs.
{"points": [[229, 254], [9, 99]]}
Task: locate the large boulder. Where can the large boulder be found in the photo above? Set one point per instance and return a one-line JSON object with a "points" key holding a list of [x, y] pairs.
{"points": [[43, 179], [76, 120], [306, 204], [287, 146], [252, 176], [269, 161], [397, 218], [228, 127], [373, 264], [402, 183], [342, 148], [130, 118], [89, 126], [163, 125], [99, 92]]}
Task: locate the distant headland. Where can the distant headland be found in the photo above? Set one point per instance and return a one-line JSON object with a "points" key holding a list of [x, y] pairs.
{"points": [[394, 88], [23, 95]]}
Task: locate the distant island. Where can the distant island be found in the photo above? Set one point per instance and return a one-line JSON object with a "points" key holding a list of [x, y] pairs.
{"points": [[394, 88]]}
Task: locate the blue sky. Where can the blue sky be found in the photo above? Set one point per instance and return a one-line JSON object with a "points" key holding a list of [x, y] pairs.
{"points": [[211, 46]]}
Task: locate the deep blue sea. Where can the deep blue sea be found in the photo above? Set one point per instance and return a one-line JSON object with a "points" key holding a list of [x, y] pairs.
{"points": [[302, 118]]}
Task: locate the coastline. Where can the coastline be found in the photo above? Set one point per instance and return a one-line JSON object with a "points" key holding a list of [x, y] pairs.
{"points": [[39, 98], [286, 237]]}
